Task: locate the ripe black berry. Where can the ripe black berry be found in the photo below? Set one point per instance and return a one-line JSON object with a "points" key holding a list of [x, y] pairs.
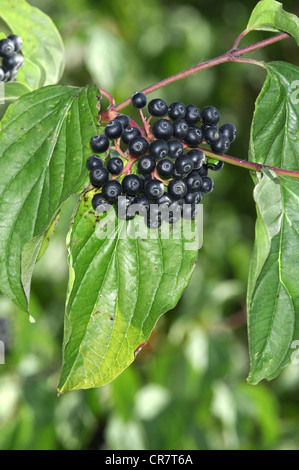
{"points": [[115, 166], [165, 168], [146, 164], [138, 100], [177, 189], [111, 190], [210, 115], [221, 146], [138, 146], [212, 134], [94, 161], [194, 136], [7, 47], [178, 176], [16, 61], [229, 131], [153, 222], [177, 110], [157, 107], [204, 170], [193, 197], [207, 185], [165, 200], [144, 202], [121, 205], [184, 164], [99, 176], [99, 143], [129, 134], [154, 189], [192, 114], [132, 185], [176, 148], [99, 203], [158, 149], [124, 119], [162, 129], [180, 129], [198, 158], [193, 181], [17, 41], [114, 129]]}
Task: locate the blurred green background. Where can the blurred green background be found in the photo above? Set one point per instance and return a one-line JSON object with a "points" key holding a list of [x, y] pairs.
{"points": [[187, 388]]}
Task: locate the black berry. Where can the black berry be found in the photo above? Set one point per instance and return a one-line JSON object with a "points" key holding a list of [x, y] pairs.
{"points": [[192, 114], [113, 129], [165, 168], [207, 185], [210, 115], [124, 119], [184, 164], [146, 164], [154, 189], [177, 110], [216, 166], [180, 129], [212, 134], [99, 143], [194, 136], [132, 185], [176, 148], [193, 181], [7, 48], [99, 203], [193, 197], [138, 146], [111, 190], [165, 200], [94, 161], [115, 166], [229, 131], [177, 189], [157, 107], [15, 61], [138, 100], [129, 134], [198, 158], [162, 129], [204, 170], [221, 146], [99, 176], [144, 202], [2, 74], [158, 149], [189, 211], [17, 41]]}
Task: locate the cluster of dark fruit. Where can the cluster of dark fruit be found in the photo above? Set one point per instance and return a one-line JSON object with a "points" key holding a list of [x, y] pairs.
{"points": [[170, 183], [12, 60]]}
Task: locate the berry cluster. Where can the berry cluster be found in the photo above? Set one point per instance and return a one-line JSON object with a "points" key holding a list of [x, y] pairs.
{"points": [[158, 168], [12, 60]]}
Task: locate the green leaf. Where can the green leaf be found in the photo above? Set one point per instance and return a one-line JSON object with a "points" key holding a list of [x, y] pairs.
{"points": [[42, 45], [274, 137], [272, 297], [268, 15], [119, 286], [273, 293], [44, 142]]}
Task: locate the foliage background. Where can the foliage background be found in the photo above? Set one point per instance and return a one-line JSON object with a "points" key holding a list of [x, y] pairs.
{"points": [[187, 389]]}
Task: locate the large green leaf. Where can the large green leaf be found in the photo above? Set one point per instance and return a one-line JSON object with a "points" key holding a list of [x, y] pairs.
{"points": [[119, 286], [44, 142], [274, 134], [42, 45], [268, 15], [273, 292]]}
